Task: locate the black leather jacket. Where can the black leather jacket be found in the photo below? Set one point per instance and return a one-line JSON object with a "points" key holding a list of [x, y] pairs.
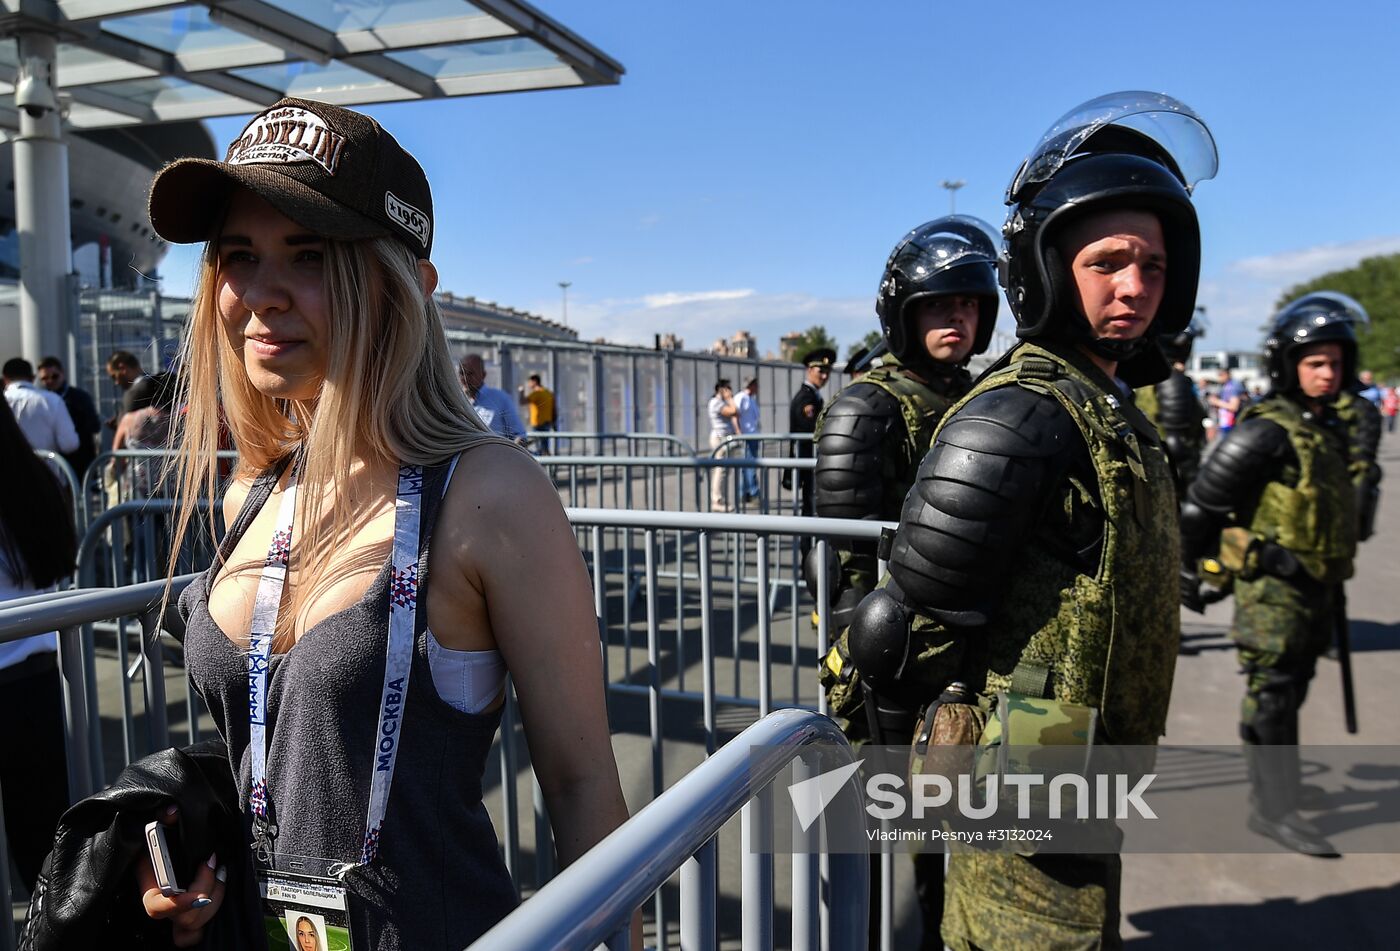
{"points": [[87, 895]]}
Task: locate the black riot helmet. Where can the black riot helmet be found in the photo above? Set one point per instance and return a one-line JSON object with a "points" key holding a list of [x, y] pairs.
{"points": [[1320, 317], [952, 255], [1177, 347], [1124, 151]]}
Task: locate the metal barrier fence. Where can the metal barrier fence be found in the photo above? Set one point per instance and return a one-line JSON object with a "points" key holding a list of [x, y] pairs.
{"points": [[767, 445], [609, 444], [677, 484], [687, 570], [661, 481], [595, 898], [70, 480]]}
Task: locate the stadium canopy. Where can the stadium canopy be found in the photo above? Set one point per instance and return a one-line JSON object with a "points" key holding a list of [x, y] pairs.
{"points": [[92, 64]]}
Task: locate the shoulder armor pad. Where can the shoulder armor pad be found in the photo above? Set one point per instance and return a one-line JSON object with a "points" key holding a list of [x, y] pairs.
{"points": [[1246, 457], [1012, 421], [1177, 407], [978, 493], [848, 481]]}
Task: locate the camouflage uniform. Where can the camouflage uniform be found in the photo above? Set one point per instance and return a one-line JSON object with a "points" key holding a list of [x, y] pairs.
{"points": [[1307, 508], [1100, 632]]}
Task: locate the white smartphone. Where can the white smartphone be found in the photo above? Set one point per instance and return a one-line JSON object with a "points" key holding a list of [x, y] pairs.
{"points": [[162, 858]]}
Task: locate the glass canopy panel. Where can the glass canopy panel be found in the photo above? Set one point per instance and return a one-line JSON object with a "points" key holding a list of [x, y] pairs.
{"points": [[172, 99], [79, 66], [82, 116], [475, 59], [189, 30], [336, 82], [345, 16]]}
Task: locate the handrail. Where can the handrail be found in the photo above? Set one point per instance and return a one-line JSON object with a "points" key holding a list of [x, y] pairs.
{"points": [[61, 463], [729, 522], [595, 897], [32, 616], [665, 439], [680, 462]]}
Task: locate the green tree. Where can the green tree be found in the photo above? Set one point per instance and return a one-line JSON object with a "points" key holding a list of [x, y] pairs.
{"points": [[812, 338], [1375, 283], [867, 342]]}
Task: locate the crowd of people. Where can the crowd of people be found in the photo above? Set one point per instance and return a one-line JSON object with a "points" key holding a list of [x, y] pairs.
{"points": [[1053, 515]]}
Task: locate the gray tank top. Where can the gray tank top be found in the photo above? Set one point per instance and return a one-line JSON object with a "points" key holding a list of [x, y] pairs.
{"points": [[438, 881]]}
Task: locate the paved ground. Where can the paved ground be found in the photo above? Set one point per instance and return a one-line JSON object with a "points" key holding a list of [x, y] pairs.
{"points": [[1170, 901]]}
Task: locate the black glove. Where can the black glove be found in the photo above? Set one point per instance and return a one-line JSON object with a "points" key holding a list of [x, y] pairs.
{"points": [[1191, 592]]}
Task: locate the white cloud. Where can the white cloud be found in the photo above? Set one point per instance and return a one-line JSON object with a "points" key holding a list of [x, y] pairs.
{"points": [[672, 298], [1241, 298], [699, 318]]}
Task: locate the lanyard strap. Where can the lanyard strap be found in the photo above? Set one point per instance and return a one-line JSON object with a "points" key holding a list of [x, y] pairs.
{"points": [[398, 663]]}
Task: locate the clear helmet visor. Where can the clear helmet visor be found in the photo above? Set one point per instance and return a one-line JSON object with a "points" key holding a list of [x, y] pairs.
{"points": [[1322, 307], [943, 244], [1118, 122]]}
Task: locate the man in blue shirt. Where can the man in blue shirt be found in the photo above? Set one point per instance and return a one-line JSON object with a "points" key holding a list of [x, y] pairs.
{"points": [[748, 423], [495, 407]]}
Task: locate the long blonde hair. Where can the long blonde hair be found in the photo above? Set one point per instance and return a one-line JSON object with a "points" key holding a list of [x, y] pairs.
{"points": [[389, 390]]}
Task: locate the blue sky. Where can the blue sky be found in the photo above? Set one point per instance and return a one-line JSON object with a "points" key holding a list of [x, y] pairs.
{"points": [[760, 159]]}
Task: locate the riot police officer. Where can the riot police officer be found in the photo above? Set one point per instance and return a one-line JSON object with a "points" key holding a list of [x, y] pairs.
{"points": [[1279, 487], [1041, 531], [937, 306], [1174, 407]]}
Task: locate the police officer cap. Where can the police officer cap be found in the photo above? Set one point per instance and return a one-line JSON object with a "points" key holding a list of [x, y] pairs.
{"points": [[820, 357]]}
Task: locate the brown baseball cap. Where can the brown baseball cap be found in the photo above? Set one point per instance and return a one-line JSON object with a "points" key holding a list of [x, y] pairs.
{"points": [[329, 169]]}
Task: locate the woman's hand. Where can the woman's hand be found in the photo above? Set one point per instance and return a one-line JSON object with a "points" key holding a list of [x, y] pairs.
{"points": [[190, 912]]}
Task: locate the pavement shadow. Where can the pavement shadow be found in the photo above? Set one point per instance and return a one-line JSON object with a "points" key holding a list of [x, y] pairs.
{"points": [[1354, 808], [1374, 636], [1359, 919], [1204, 641]]}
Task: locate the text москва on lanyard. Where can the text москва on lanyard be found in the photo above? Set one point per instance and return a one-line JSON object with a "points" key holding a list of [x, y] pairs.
{"points": [[305, 893]]}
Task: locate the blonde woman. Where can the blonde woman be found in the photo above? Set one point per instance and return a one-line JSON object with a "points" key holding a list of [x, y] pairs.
{"points": [[359, 700]]}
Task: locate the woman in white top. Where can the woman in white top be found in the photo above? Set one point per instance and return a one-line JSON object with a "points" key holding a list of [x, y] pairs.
{"points": [[36, 552]]}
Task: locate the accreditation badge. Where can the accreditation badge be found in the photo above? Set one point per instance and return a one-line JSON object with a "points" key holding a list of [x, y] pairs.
{"points": [[304, 912]]}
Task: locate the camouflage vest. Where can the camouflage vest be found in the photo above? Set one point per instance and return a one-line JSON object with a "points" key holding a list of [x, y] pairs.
{"points": [[1311, 509], [1145, 399], [920, 407], [1104, 635]]}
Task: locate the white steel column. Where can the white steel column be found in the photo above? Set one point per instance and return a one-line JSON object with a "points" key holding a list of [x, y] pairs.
{"points": [[41, 205]]}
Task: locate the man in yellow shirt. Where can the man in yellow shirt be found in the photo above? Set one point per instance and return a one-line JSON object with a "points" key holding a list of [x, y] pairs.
{"points": [[541, 403]]}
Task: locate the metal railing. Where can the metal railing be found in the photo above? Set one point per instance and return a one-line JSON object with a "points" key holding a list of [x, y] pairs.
{"points": [[593, 900], [764, 443], [70, 479], [610, 444], [703, 484]]}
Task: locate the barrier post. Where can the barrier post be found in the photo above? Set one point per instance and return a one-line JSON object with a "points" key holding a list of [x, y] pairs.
{"points": [[757, 872], [77, 721]]}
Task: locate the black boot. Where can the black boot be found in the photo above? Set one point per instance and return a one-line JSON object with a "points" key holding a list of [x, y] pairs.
{"points": [[1273, 772]]}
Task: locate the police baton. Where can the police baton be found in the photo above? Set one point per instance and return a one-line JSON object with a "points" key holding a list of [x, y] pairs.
{"points": [[1343, 635]]}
